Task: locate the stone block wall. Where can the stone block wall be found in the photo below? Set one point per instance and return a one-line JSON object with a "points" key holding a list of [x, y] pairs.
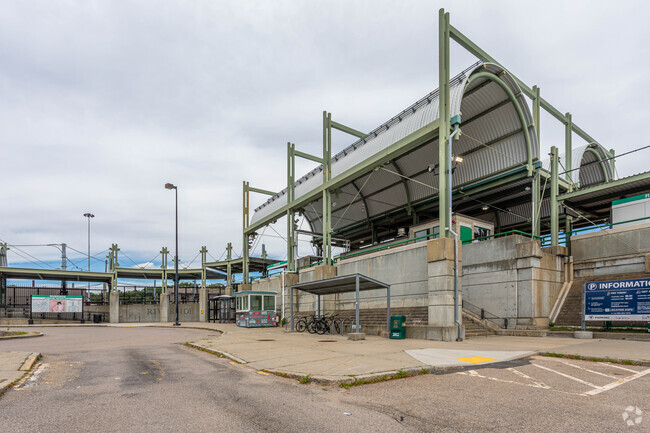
{"points": [[623, 250], [513, 277]]}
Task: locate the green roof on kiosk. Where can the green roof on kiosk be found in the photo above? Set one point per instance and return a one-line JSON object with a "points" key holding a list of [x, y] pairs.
{"points": [[630, 199]]}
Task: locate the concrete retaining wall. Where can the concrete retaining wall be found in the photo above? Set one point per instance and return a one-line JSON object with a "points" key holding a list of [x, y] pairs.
{"points": [[512, 277], [151, 313], [404, 268], [616, 251]]}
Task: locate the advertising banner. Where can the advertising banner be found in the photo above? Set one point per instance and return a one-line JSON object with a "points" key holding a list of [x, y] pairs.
{"points": [[57, 304], [617, 300]]}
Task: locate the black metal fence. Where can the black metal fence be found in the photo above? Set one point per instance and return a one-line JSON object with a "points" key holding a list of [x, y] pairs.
{"points": [[19, 296]]}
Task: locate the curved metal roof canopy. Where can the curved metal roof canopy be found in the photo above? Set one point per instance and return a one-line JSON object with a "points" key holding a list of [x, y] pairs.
{"points": [[498, 136]]}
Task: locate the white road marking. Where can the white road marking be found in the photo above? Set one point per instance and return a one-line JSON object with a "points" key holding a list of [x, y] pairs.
{"points": [[590, 371], [517, 372], [623, 368], [618, 382], [475, 373], [31, 381], [584, 382]]}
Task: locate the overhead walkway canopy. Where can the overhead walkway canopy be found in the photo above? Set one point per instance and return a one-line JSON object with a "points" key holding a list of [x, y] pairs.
{"points": [[55, 275], [344, 284]]}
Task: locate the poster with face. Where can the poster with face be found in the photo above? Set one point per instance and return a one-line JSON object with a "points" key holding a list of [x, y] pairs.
{"points": [[57, 305]]}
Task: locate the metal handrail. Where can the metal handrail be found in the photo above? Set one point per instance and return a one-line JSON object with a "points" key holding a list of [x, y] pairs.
{"points": [[485, 315]]}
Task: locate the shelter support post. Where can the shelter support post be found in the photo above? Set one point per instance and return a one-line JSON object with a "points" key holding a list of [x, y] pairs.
{"points": [[555, 217], [388, 309], [318, 306], [444, 122], [291, 307], [357, 327]]}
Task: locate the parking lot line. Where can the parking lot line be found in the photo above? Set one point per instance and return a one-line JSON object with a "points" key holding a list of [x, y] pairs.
{"points": [[584, 382], [623, 368], [519, 373], [618, 382], [590, 371]]}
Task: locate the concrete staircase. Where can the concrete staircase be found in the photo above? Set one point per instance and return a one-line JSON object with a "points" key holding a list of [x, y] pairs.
{"points": [[571, 311], [474, 329]]}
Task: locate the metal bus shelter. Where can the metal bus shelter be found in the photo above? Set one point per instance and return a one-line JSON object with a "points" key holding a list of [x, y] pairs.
{"points": [[344, 284]]}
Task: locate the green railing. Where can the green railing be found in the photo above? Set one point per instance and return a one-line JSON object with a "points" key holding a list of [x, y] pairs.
{"points": [[544, 240], [563, 236], [499, 235]]}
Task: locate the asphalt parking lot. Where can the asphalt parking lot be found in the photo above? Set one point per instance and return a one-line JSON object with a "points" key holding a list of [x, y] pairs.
{"points": [[145, 379]]}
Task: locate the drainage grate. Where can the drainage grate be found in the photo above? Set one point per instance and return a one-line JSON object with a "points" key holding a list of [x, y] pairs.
{"points": [[327, 341], [266, 339]]}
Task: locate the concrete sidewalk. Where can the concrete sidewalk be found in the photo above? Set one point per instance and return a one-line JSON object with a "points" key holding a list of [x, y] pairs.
{"points": [[333, 358], [13, 366]]}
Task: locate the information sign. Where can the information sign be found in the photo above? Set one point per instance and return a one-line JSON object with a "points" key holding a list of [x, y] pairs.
{"points": [[617, 300], [57, 304]]}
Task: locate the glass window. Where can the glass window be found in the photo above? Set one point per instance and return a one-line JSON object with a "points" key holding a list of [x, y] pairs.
{"points": [[269, 303], [242, 303], [256, 302], [481, 232], [421, 233]]}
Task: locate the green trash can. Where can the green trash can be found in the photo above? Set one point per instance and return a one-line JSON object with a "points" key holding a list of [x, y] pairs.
{"points": [[397, 327]]}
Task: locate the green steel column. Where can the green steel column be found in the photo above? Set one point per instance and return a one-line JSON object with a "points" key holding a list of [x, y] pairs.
{"points": [[204, 252], [568, 165], [612, 162], [291, 173], [444, 119], [568, 149], [327, 195], [537, 185], [555, 217], [229, 265], [245, 246]]}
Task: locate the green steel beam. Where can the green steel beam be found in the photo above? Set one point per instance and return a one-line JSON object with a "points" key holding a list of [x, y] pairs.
{"points": [[291, 193], [327, 192], [348, 130], [246, 222], [55, 274], [600, 187], [262, 191], [470, 46], [444, 211], [537, 180], [555, 228], [407, 190], [412, 141], [307, 156]]}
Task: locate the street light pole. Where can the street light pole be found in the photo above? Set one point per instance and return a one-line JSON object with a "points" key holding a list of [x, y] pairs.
{"points": [[89, 216], [175, 188]]}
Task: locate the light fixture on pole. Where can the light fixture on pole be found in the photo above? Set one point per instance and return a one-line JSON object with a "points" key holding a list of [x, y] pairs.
{"points": [[89, 216], [175, 188]]}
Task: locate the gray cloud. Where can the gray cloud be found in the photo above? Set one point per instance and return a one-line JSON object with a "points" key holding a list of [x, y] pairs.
{"points": [[104, 102]]}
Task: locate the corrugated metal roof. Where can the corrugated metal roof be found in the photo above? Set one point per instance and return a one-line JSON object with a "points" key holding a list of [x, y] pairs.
{"points": [[492, 141], [590, 172]]}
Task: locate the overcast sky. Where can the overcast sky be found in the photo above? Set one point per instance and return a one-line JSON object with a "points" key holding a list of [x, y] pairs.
{"points": [[102, 102]]}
